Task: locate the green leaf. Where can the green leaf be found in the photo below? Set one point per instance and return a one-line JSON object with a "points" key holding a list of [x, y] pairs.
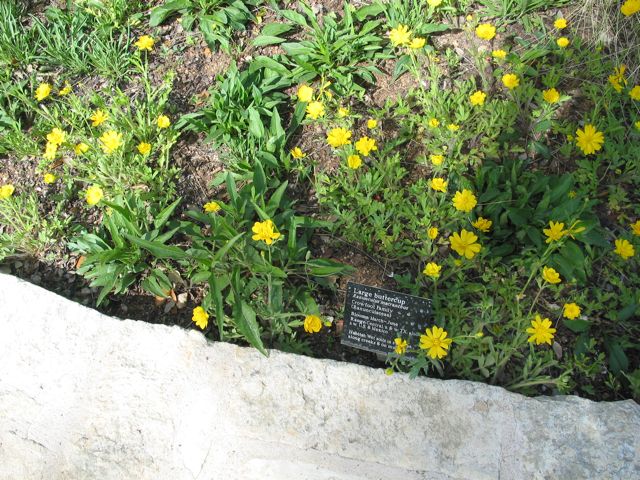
{"points": [[627, 312], [577, 325], [225, 248], [256, 127], [164, 215], [216, 289], [161, 13], [159, 250], [618, 361], [322, 267], [259, 178], [248, 326]]}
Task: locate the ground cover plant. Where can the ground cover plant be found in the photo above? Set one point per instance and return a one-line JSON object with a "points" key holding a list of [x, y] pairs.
{"points": [[482, 154]]}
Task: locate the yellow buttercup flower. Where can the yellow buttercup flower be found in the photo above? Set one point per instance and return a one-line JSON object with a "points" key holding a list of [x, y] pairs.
{"points": [[541, 331], [372, 123], [297, 153], [264, 231], [563, 42], [337, 137], [555, 232], [49, 178], [482, 224], [630, 7], [435, 342], [464, 244], [634, 93], [434, 122], [551, 95], [401, 346], [200, 317], [43, 91], [50, 151], [464, 201], [312, 324], [432, 233], [434, 3], [401, 35], [94, 194], [453, 127], [485, 31], [617, 79], [211, 207], [110, 140], [343, 112], [6, 191], [635, 228], [305, 93], [366, 145], [98, 118], [439, 184], [81, 148], [571, 311], [417, 43], [589, 140], [560, 23], [550, 275], [478, 98], [57, 136], [145, 42], [163, 121], [501, 54], [624, 249], [436, 159], [144, 148], [510, 81], [432, 270], [354, 162], [315, 110], [66, 90]]}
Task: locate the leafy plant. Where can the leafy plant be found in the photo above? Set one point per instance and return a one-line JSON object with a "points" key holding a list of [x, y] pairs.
{"points": [[514, 9]]}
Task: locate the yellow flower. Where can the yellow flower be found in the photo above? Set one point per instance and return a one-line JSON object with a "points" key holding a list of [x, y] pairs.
{"points": [[401, 346], [144, 148], [343, 112], [6, 191], [482, 224], [485, 31], [354, 162], [305, 93], [200, 317], [436, 159], [366, 145], [211, 207], [98, 118], [465, 244], [637, 124], [337, 137], [312, 324], [501, 54], [315, 110], [439, 184], [432, 233], [555, 231], [434, 122], [630, 7], [56, 136], [372, 123], [453, 127], [560, 23], [145, 42], [624, 249], [110, 140], [550, 275], [81, 148], [635, 228], [94, 194], [571, 311], [478, 98], [617, 79], [49, 178], [265, 231], [634, 93], [434, 3], [563, 42], [43, 91], [66, 90], [163, 121], [297, 153], [551, 95], [435, 342], [510, 81], [589, 140], [400, 35], [464, 201], [417, 43], [432, 270], [541, 331], [50, 151]]}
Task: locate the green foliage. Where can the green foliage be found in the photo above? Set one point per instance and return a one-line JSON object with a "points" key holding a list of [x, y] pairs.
{"points": [[17, 44], [514, 9]]}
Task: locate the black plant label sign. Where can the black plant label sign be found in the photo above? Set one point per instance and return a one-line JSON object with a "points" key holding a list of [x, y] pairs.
{"points": [[374, 317]]}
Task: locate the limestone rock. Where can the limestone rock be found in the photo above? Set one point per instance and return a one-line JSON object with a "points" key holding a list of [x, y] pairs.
{"points": [[85, 396]]}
